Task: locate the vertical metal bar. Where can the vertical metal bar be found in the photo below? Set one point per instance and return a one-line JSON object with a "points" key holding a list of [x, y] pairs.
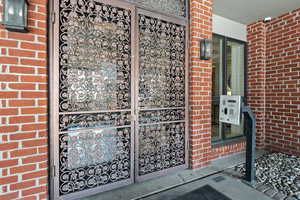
{"points": [[54, 99], [250, 145], [136, 91]]}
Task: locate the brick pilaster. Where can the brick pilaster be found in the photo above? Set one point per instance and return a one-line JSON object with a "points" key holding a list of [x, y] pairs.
{"points": [[200, 78]]}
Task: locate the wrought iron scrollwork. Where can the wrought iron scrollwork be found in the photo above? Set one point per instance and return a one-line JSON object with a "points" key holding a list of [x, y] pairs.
{"points": [[161, 85], [69, 122], [95, 56], [162, 63], [89, 159], [171, 7], [161, 146], [155, 116]]}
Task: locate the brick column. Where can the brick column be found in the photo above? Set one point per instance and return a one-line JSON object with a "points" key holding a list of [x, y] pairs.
{"points": [[257, 77], [23, 108], [200, 86]]}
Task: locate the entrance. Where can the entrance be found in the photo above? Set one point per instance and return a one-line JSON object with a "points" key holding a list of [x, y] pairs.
{"points": [[118, 96]]}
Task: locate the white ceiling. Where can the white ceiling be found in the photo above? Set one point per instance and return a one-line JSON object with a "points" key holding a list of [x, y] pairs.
{"points": [[248, 11]]}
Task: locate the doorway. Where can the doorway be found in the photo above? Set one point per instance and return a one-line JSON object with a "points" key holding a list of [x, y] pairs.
{"points": [[118, 95]]}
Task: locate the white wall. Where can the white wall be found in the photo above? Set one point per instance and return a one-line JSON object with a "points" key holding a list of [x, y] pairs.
{"points": [[229, 28]]}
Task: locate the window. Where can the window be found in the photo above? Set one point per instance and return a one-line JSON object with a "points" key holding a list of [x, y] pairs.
{"points": [[228, 78]]}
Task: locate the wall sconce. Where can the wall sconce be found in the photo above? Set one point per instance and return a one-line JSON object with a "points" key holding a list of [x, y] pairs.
{"points": [[15, 15], [205, 49]]}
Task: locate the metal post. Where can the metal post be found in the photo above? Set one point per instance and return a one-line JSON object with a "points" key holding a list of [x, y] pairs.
{"points": [[250, 128]]}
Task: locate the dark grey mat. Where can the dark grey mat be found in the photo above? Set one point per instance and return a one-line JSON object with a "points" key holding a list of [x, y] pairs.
{"points": [[203, 193]]}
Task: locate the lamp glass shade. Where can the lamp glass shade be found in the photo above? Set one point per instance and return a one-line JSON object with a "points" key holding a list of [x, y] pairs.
{"points": [[15, 15], [205, 49]]}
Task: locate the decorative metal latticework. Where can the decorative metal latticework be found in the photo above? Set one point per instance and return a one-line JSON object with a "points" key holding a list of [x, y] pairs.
{"points": [[93, 158], [162, 146], [94, 77], [95, 58], [171, 7], [162, 63], [161, 95]]}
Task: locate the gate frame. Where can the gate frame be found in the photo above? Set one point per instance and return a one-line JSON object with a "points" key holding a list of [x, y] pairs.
{"points": [[53, 82]]}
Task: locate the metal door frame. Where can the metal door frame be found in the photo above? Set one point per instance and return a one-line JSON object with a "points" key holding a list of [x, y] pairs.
{"points": [[54, 107], [175, 20], [53, 81]]}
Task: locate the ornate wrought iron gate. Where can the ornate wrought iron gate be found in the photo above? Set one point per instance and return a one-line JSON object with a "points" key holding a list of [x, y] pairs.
{"points": [[118, 96]]}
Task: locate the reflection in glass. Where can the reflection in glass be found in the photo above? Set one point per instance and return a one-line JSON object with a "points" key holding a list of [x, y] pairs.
{"points": [[161, 146], [229, 81], [217, 85], [88, 159], [95, 56], [235, 59], [162, 63]]}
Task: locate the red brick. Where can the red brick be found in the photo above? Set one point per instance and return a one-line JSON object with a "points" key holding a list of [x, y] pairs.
{"points": [[23, 152], [8, 111], [21, 53], [34, 143], [8, 180], [21, 70], [36, 174], [6, 95], [9, 196], [22, 185], [22, 86], [22, 136], [22, 169], [21, 103]]}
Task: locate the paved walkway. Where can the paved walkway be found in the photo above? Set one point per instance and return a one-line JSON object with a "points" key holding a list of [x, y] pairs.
{"points": [[178, 184]]}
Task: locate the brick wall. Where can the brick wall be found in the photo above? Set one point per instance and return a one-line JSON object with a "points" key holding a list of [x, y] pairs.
{"points": [[23, 108], [256, 38], [283, 83], [200, 78], [281, 66], [228, 149]]}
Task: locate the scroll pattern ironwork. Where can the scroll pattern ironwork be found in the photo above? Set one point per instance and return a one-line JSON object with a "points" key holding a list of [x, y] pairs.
{"points": [[161, 146], [93, 158], [171, 7], [93, 120], [155, 116], [95, 56], [162, 63], [161, 85]]}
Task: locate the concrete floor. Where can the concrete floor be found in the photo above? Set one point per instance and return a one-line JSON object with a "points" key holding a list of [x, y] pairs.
{"points": [[177, 184]]}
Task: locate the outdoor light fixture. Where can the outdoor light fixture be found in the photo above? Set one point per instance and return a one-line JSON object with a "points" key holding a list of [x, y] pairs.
{"points": [[205, 49], [15, 15]]}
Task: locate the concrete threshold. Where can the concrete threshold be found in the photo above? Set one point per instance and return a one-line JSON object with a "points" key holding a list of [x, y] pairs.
{"points": [[167, 186]]}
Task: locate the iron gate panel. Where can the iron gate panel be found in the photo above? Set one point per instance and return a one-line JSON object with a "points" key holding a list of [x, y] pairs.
{"points": [[162, 128], [96, 92], [93, 148]]}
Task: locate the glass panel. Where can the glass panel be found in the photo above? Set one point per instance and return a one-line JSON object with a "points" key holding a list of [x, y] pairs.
{"points": [[92, 158], [94, 72], [217, 85], [161, 132], [172, 7], [161, 146], [235, 59], [162, 63], [100, 81]]}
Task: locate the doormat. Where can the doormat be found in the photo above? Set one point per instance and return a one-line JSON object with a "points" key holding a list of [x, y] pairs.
{"points": [[204, 193]]}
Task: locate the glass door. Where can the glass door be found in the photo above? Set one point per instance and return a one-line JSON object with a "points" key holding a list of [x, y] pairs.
{"points": [[228, 77], [118, 95], [161, 134], [92, 97]]}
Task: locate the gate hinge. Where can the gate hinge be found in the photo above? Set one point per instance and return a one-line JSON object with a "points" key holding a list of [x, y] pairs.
{"points": [[53, 168], [53, 17]]}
